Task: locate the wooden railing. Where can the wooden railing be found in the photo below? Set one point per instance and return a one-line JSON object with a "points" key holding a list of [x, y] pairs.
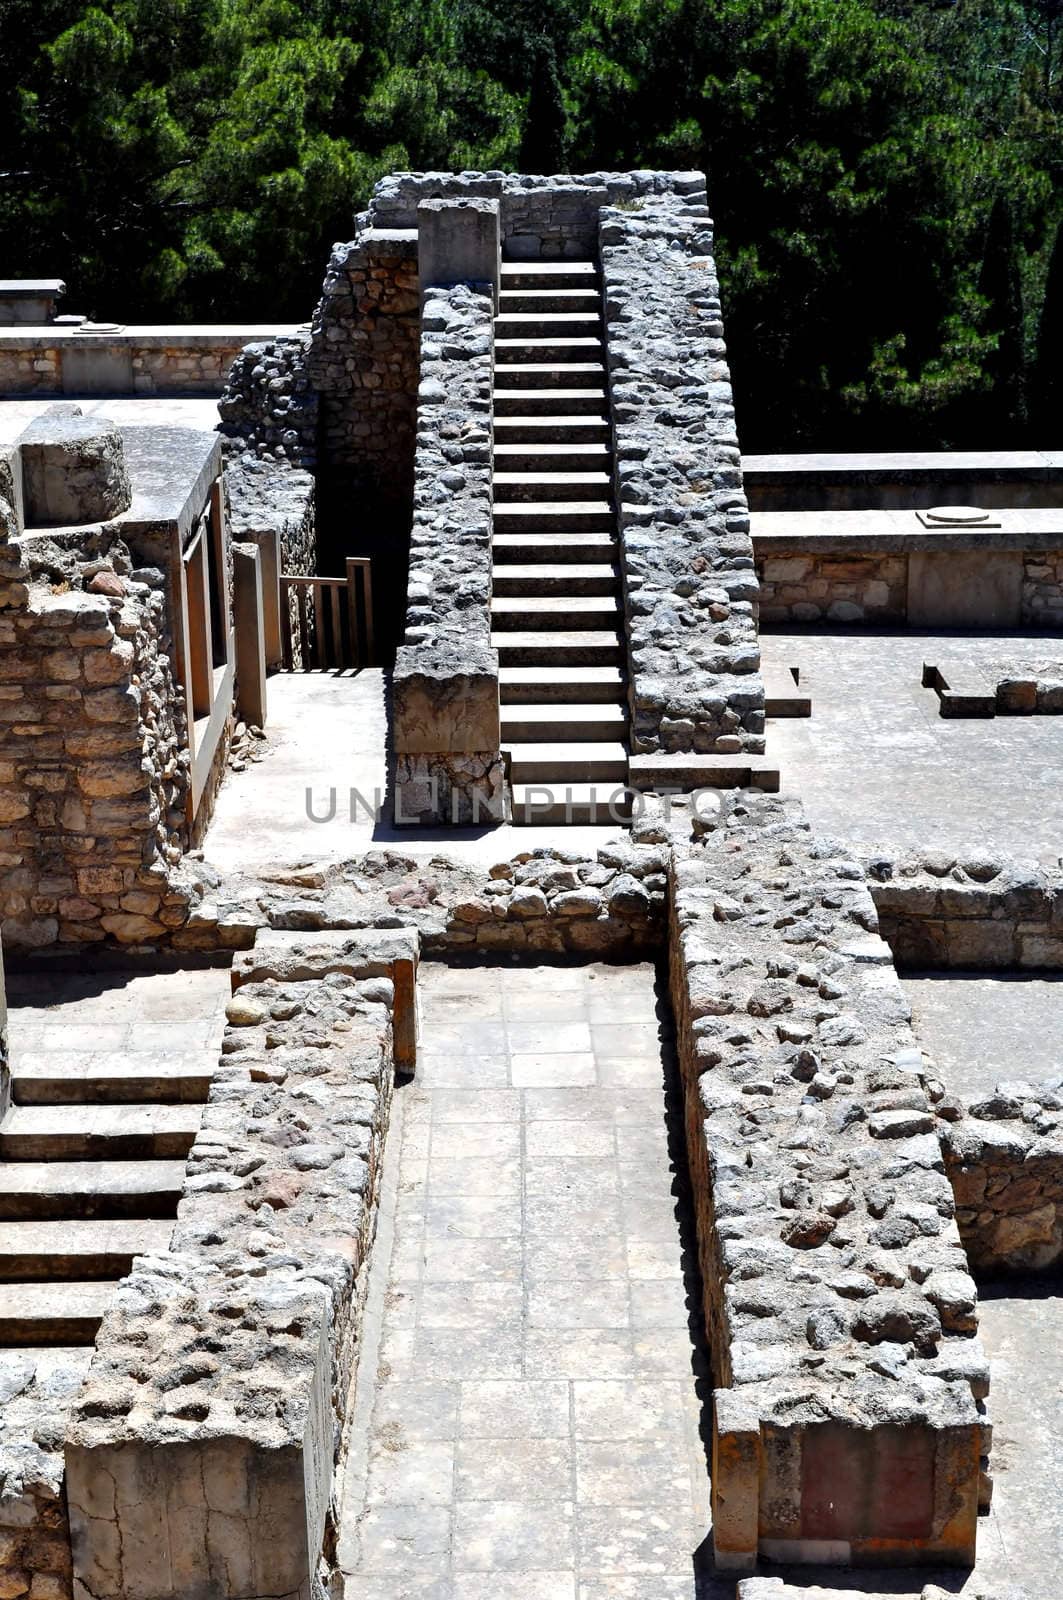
{"points": [[328, 622]]}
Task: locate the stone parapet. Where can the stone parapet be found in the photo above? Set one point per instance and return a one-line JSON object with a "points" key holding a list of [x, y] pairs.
{"points": [[903, 479], [203, 1448], [849, 1423], [445, 683], [144, 361], [541, 215], [690, 587]]}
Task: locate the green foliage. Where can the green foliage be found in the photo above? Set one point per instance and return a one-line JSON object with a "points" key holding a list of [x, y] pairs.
{"points": [[885, 175]]}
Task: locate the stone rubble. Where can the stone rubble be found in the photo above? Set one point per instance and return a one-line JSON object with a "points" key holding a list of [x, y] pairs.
{"points": [[689, 579]]}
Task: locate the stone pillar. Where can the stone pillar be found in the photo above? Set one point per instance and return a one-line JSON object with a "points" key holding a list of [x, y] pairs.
{"points": [[250, 635], [73, 471], [459, 241], [735, 1481], [448, 770]]}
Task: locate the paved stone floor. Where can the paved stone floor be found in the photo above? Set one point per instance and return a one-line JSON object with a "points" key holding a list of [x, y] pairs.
{"points": [[876, 765], [81, 1018], [529, 1424], [166, 411], [982, 1027], [329, 731]]}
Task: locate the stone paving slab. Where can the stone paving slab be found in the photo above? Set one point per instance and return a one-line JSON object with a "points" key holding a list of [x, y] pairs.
{"points": [[531, 1424]]}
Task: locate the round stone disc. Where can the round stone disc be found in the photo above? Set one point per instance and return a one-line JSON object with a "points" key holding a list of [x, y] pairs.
{"points": [[962, 514]]}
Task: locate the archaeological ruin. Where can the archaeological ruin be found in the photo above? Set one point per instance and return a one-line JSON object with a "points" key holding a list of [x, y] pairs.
{"points": [[532, 1061]]}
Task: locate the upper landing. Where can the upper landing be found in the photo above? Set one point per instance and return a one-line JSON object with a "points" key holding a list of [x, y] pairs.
{"points": [[539, 214]]}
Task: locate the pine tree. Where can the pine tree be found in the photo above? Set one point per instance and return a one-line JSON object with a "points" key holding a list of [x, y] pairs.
{"points": [[1046, 409], [1004, 413], [542, 147]]}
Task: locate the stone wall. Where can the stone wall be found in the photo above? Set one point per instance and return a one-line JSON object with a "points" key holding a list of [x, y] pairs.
{"points": [[844, 585], [39, 1388], [141, 362], [849, 1422], [690, 586], [445, 685], [202, 1449], [807, 586], [95, 769], [269, 406], [364, 364], [541, 216], [1004, 1158], [780, 1589], [1042, 589], [981, 911]]}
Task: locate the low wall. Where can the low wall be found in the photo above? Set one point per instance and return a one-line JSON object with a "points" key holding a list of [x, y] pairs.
{"points": [[904, 479], [848, 1423], [939, 911], [541, 215], [779, 1589], [203, 1449], [448, 764], [883, 567], [690, 588], [1004, 1158], [177, 360]]}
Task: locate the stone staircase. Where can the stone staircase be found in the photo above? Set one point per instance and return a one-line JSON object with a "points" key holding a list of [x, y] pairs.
{"points": [[92, 1165], [556, 613]]}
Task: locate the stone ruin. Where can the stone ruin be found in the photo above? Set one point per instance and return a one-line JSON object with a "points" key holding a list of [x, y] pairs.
{"points": [[846, 1206]]}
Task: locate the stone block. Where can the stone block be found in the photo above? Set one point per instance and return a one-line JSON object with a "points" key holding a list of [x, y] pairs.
{"points": [[442, 707], [73, 471], [964, 588], [459, 241]]}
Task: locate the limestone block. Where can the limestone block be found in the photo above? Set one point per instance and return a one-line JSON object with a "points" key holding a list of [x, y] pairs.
{"points": [[459, 241], [73, 471], [443, 706], [964, 588]]}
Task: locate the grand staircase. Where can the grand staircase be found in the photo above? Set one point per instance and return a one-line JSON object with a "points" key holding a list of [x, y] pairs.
{"points": [[92, 1165], [556, 614]]}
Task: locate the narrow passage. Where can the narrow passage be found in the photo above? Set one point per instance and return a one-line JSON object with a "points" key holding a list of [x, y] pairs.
{"points": [[529, 1409]]}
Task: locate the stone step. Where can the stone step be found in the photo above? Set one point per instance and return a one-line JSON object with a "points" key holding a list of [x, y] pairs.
{"points": [[688, 772], [549, 274], [557, 761], [43, 1251], [568, 577], [556, 376], [551, 548], [98, 1133], [111, 1081], [56, 1189], [552, 456], [569, 721], [551, 486], [562, 612], [542, 400], [588, 299], [553, 516], [564, 685], [557, 429], [539, 805], [582, 647], [543, 324], [52, 1313], [554, 349]]}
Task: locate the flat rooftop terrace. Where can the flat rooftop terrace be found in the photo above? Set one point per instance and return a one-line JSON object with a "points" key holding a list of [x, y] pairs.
{"points": [[876, 766]]}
